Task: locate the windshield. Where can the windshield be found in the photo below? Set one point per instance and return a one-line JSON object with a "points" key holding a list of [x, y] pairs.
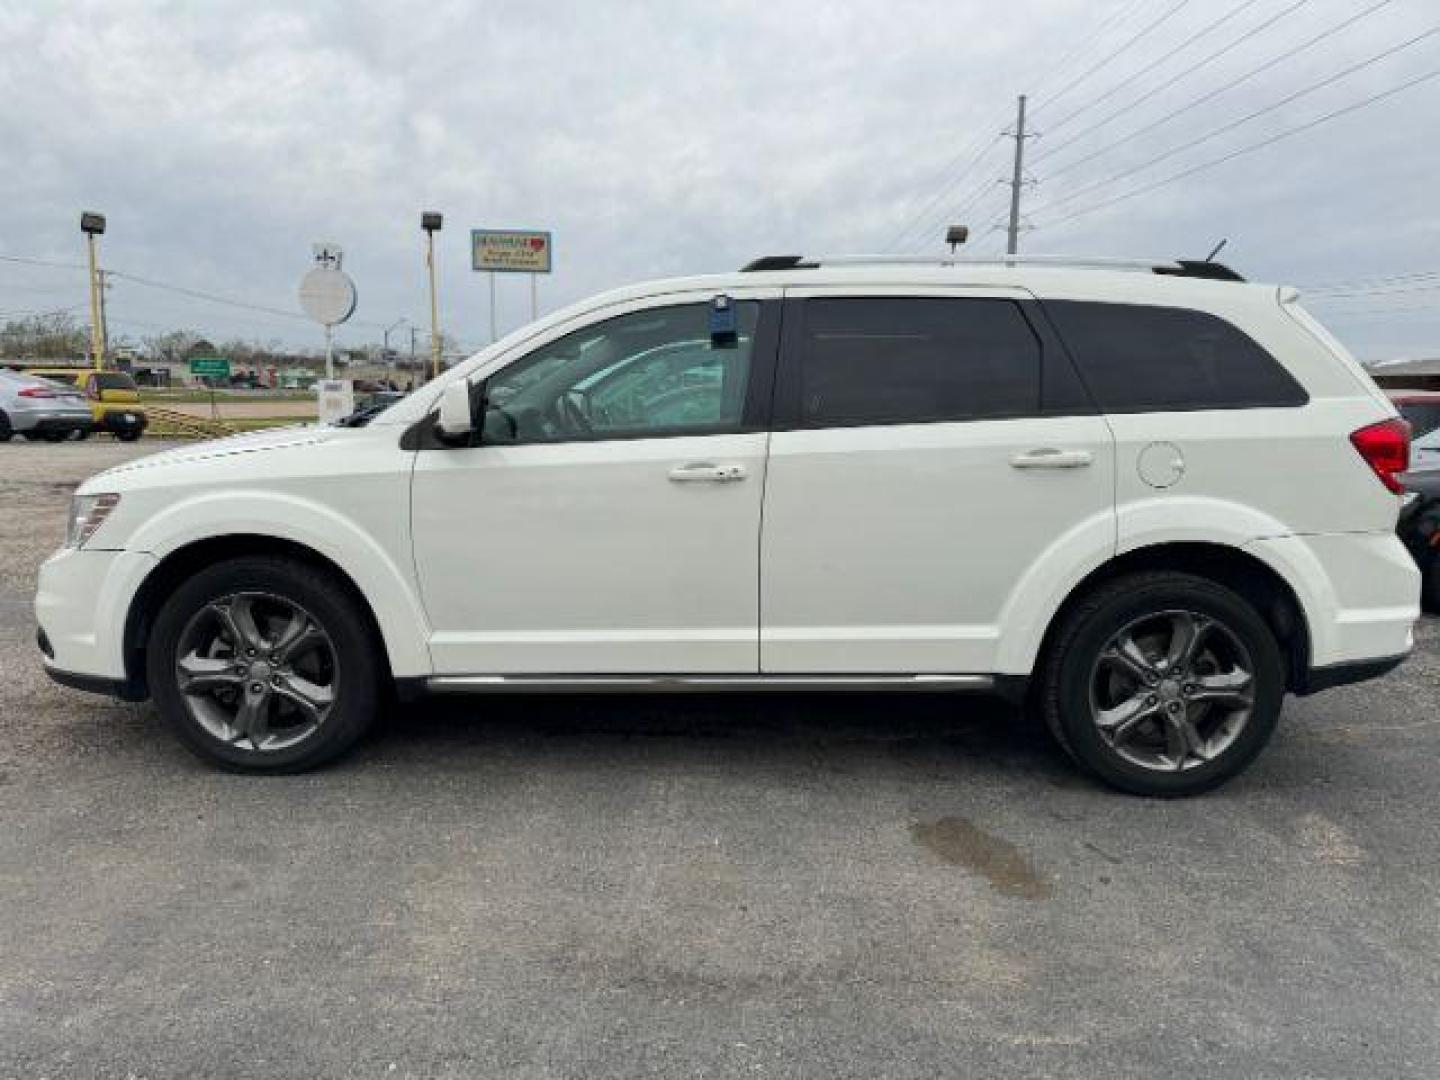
{"points": [[114, 380]]}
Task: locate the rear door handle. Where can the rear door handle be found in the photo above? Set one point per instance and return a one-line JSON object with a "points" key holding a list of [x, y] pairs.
{"points": [[704, 471], [1050, 458]]}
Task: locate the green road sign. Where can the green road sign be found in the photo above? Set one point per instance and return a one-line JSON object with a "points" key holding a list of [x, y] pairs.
{"points": [[210, 367]]}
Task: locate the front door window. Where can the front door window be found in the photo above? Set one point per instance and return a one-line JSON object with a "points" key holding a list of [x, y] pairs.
{"points": [[645, 374]]}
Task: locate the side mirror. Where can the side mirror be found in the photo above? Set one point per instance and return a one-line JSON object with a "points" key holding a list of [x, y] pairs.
{"points": [[456, 422]]}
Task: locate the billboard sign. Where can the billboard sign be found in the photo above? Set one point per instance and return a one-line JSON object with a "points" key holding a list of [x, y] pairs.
{"points": [[516, 251]]}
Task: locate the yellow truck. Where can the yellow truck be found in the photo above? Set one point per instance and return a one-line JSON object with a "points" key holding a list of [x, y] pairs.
{"points": [[113, 396]]}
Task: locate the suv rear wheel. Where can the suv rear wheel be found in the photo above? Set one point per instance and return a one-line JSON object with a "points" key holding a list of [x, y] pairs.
{"points": [[265, 665], [1163, 684]]}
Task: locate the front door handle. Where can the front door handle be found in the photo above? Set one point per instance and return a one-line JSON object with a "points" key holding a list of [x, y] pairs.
{"points": [[1050, 458], [704, 471]]}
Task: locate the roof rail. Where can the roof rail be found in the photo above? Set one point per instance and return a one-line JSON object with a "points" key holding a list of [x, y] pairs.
{"points": [[1173, 267]]}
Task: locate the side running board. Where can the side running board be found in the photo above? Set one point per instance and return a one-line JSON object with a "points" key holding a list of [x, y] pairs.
{"points": [[599, 684]]}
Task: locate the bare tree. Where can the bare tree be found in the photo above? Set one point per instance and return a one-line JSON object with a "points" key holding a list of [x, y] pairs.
{"points": [[54, 335]]}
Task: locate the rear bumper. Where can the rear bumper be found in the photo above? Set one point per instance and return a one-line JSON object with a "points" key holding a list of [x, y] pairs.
{"points": [[37, 422], [1356, 671], [1360, 593]]}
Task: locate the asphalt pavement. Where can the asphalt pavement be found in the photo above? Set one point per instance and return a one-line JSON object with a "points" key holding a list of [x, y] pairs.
{"points": [[798, 886]]}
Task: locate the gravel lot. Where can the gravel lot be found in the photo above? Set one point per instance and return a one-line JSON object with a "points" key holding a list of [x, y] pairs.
{"points": [[800, 886]]}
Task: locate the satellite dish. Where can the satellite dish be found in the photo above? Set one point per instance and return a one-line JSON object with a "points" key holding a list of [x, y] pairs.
{"points": [[328, 296]]}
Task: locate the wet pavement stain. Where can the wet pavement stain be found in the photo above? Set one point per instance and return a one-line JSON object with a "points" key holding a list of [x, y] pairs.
{"points": [[1000, 862]]}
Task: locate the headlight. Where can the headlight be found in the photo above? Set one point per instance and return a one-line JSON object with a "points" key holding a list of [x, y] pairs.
{"points": [[88, 513]]}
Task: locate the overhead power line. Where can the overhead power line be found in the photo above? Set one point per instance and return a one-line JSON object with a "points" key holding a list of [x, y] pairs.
{"points": [[33, 261], [1227, 86], [1373, 293], [977, 149], [961, 211], [1061, 68], [182, 290], [1248, 149], [945, 187], [1367, 313], [1056, 125], [198, 294], [1110, 58], [1365, 283], [1247, 118]]}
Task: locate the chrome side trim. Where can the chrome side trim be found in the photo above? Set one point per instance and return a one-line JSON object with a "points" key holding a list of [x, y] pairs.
{"points": [[597, 684]]}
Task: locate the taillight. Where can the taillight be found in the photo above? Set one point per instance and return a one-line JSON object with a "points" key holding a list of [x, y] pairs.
{"points": [[1386, 449], [36, 392]]}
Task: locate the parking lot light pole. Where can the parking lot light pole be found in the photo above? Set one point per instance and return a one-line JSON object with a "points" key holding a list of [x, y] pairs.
{"points": [[430, 221], [93, 225]]}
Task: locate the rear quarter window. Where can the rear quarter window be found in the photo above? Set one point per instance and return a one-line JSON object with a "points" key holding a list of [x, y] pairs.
{"points": [[1138, 358]]}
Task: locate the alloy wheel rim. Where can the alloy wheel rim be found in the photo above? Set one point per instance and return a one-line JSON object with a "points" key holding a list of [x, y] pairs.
{"points": [[257, 671], [1172, 690]]}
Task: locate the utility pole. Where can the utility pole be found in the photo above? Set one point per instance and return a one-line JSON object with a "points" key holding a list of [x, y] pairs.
{"points": [[104, 317], [1017, 181], [385, 349]]}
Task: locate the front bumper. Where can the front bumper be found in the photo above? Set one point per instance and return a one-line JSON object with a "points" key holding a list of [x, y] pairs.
{"points": [[81, 603], [118, 421], [128, 689]]}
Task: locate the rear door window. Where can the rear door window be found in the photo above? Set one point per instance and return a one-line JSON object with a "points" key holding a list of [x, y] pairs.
{"points": [[1137, 358], [897, 360]]}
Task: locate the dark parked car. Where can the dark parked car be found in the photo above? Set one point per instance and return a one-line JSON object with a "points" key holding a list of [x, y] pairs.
{"points": [[369, 408], [1419, 528]]}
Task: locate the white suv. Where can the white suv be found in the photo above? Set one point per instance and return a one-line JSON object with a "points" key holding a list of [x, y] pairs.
{"points": [[1148, 501]]}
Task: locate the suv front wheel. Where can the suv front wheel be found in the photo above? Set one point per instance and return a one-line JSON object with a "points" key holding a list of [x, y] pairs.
{"points": [[265, 664], [1163, 684]]}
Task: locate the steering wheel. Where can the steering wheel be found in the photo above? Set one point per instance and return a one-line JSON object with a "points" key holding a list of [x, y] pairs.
{"points": [[573, 410]]}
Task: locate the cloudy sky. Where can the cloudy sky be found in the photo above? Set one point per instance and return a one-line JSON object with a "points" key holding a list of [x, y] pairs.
{"points": [[222, 138]]}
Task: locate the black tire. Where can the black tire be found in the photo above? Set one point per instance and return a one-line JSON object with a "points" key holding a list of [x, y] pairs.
{"points": [[7, 432], [128, 435], [330, 602], [54, 436], [1069, 667]]}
